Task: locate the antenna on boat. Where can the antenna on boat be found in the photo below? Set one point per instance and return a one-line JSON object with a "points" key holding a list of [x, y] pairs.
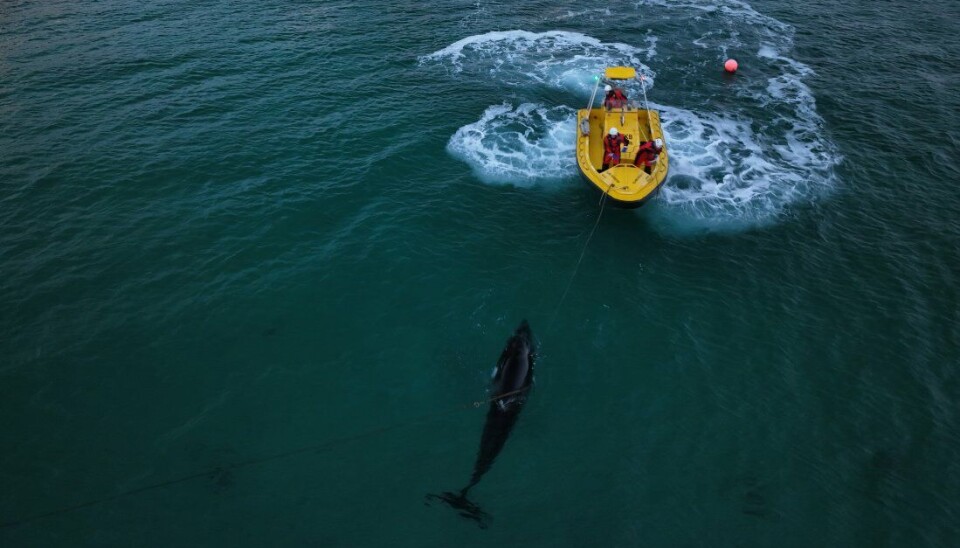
{"points": [[593, 95], [585, 122], [645, 105]]}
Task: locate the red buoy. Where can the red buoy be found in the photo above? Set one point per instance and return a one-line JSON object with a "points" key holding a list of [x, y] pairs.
{"points": [[730, 66]]}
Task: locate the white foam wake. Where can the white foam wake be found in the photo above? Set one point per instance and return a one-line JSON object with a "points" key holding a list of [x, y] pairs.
{"points": [[732, 169], [584, 14], [726, 175], [523, 146], [557, 59]]}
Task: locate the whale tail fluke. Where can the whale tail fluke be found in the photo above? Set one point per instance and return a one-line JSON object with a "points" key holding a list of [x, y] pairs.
{"points": [[466, 508]]}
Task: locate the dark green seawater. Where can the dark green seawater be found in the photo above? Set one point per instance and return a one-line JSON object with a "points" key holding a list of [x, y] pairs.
{"points": [[230, 230]]}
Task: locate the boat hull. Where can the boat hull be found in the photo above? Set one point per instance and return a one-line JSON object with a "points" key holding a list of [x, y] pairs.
{"points": [[626, 185], [622, 204]]}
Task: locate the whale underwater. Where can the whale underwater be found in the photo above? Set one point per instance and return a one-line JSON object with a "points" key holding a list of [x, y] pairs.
{"points": [[512, 380]]}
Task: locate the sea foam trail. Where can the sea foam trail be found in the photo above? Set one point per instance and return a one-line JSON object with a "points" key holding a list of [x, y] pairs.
{"points": [[728, 170], [523, 146], [556, 59], [724, 175]]}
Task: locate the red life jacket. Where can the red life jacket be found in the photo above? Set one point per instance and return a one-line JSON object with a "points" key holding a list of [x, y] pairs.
{"points": [[646, 154], [615, 98], [611, 149]]}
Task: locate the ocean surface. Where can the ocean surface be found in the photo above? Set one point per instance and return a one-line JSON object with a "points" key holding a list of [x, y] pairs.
{"points": [[258, 259]]}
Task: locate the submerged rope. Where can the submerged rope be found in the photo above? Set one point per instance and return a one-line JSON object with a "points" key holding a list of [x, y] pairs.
{"points": [[220, 471], [580, 260]]}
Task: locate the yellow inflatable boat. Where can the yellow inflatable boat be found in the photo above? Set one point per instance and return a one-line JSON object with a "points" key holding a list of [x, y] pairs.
{"points": [[627, 183]]}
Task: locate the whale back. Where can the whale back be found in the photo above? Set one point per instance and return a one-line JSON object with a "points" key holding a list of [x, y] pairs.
{"points": [[515, 366]]}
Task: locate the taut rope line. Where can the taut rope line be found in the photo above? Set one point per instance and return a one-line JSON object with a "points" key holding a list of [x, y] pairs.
{"points": [[580, 260]]}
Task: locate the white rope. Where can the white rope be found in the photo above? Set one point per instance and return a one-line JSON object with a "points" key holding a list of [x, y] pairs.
{"points": [[580, 260]]}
